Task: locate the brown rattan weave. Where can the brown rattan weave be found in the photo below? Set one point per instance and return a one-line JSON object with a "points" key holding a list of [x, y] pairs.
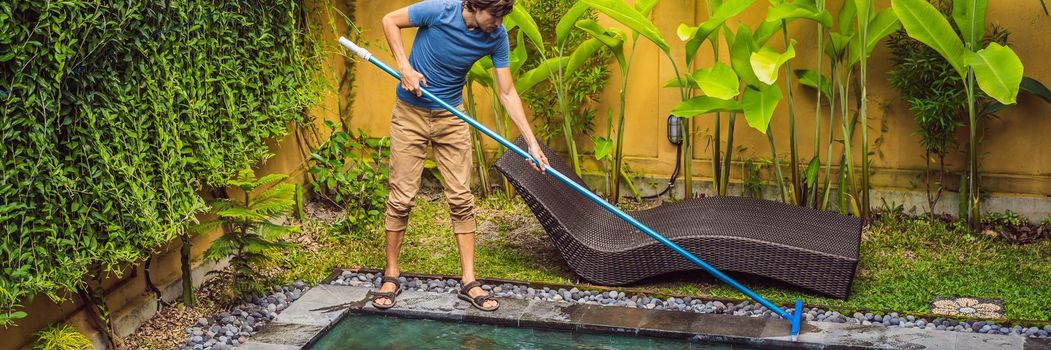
{"points": [[811, 249]]}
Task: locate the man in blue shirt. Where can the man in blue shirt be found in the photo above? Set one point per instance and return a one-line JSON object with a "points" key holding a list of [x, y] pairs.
{"points": [[452, 35]]}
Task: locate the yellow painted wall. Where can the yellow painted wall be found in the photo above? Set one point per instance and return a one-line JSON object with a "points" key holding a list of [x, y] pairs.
{"points": [[1011, 163]]}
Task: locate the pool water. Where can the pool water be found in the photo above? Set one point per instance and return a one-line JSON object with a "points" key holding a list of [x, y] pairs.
{"points": [[382, 332]]}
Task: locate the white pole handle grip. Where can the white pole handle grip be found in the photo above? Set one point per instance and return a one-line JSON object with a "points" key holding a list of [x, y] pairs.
{"points": [[358, 50]]}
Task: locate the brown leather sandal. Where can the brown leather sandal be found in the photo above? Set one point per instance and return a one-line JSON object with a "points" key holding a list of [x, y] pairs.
{"points": [[479, 301], [389, 295]]}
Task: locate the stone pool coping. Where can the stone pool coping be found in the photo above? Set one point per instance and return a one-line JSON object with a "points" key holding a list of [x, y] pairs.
{"points": [[320, 308], [649, 292]]}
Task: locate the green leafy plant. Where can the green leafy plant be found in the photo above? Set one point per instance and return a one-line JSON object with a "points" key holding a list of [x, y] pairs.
{"points": [[349, 173], [802, 186], [719, 83], [635, 19], [748, 84], [577, 78], [753, 182], [858, 29], [936, 96], [995, 68], [251, 238], [611, 147], [1000, 221], [61, 337]]}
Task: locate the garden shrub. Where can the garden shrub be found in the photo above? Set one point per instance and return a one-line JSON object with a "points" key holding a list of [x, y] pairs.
{"points": [[114, 114], [253, 238], [348, 173]]}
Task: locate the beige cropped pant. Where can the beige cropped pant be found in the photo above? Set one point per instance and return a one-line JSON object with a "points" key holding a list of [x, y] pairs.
{"points": [[412, 128]]}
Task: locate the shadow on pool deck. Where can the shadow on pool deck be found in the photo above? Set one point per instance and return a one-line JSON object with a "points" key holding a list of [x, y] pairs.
{"points": [[308, 318]]}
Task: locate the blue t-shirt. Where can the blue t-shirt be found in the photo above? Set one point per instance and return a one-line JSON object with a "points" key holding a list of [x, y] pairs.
{"points": [[444, 50]]}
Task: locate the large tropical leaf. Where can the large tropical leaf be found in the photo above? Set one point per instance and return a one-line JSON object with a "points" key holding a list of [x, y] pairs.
{"points": [[536, 75], [695, 36], [579, 56], [813, 79], [519, 55], [568, 20], [676, 82], [923, 22], [1030, 86], [998, 71], [759, 105], [767, 62], [741, 54], [880, 27], [847, 18], [838, 45], [621, 12], [764, 32], [686, 32], [721, 15], [520, 17], [596, 31], [704, 105], [479, 74], [613, 38], [718, 81], [862, 7], [603, 147], [969, 16], [791, 11], [645, 7], [1035, 87], [812, 170]]}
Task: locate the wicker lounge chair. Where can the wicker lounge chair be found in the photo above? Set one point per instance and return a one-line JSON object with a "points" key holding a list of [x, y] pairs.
{"points": [[807, 248]]}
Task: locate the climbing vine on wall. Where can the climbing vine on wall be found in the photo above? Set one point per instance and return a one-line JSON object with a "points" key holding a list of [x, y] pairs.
{"points": [[114, 114]]}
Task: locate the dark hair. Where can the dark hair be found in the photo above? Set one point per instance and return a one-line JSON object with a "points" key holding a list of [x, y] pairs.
{"points": [[498, 8]]}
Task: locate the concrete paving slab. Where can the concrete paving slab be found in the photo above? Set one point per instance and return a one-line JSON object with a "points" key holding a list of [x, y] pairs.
{"points": [[252, 345], [276, 333]]}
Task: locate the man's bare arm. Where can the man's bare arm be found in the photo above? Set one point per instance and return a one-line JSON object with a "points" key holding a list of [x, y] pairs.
{"points": [[393, 23], [513, 105]]}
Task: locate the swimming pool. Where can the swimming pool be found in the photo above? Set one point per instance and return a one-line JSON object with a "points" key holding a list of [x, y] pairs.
{"points": [[358, 331]]}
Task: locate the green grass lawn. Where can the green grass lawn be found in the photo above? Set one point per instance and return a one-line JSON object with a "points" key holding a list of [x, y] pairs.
{"points": [[906, 262]]}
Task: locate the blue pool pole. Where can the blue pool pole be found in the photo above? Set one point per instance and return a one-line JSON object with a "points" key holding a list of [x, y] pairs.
{"points": [[795, 318]]}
